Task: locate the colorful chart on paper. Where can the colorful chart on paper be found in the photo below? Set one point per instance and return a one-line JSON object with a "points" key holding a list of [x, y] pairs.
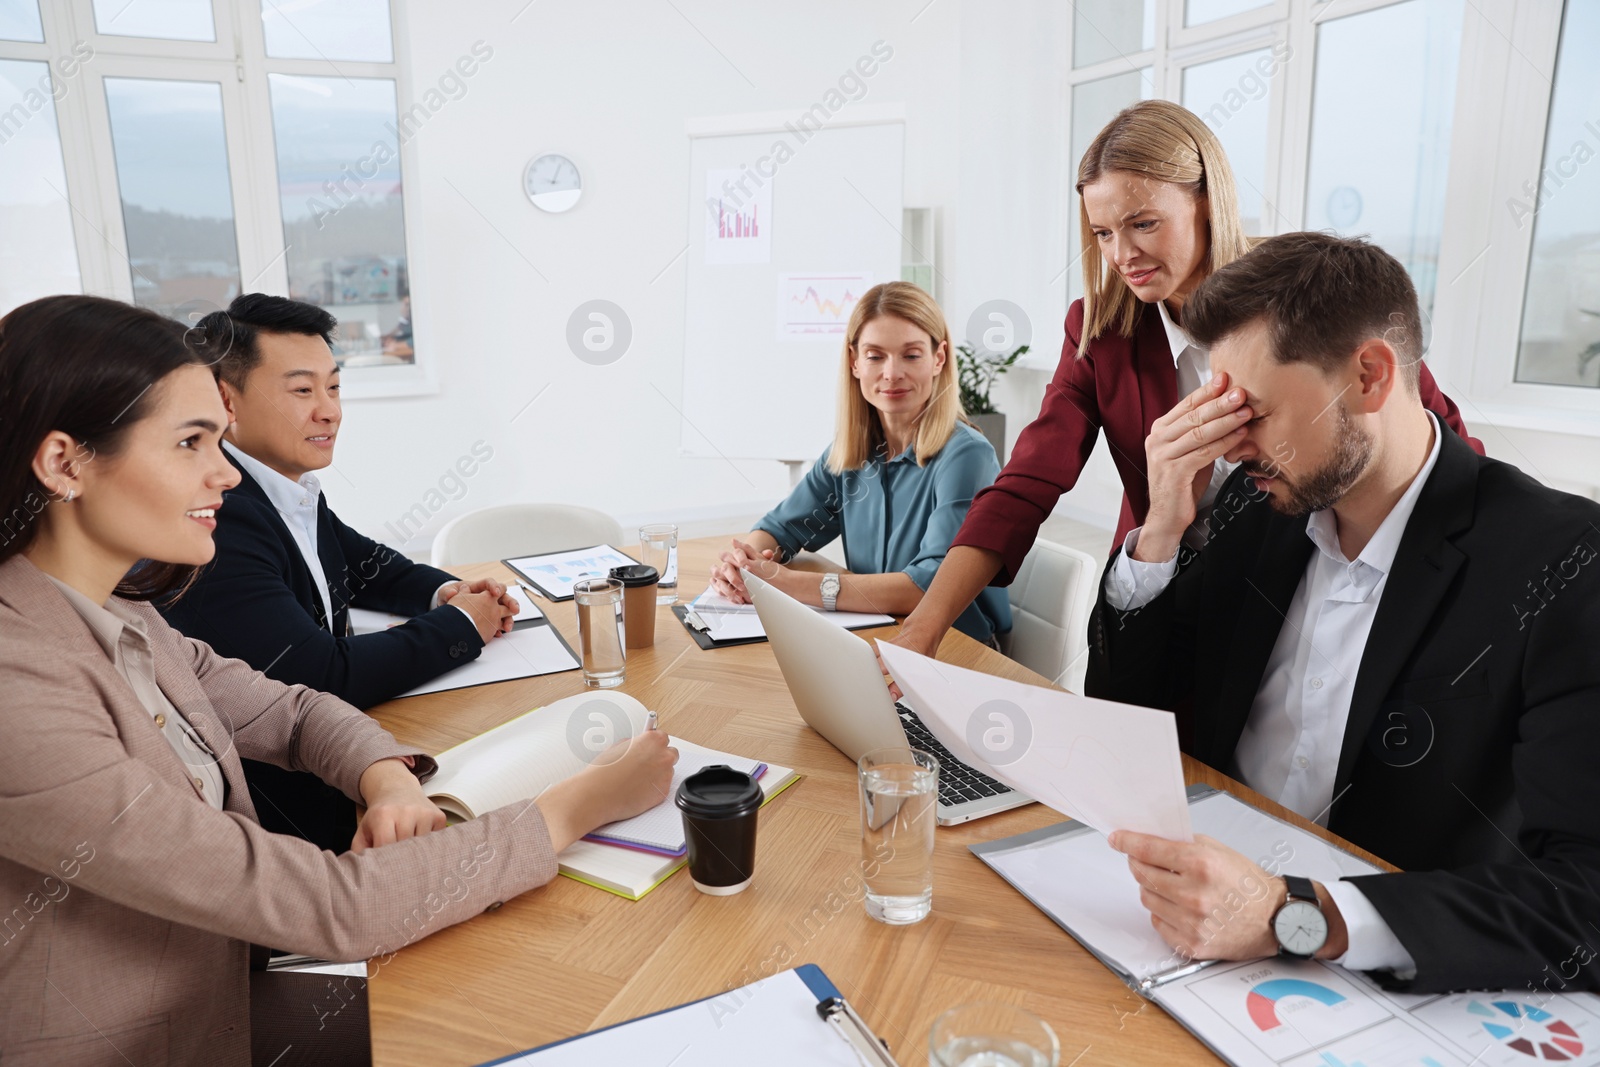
{"points": [[1289, 1013]]}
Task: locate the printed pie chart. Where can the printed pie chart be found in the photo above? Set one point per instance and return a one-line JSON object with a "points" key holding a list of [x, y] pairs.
{"points": [[1262, 1000], [1531, 1031]]}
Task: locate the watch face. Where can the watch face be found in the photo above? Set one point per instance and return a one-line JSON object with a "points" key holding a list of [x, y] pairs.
{"points": [[1301, 927]]}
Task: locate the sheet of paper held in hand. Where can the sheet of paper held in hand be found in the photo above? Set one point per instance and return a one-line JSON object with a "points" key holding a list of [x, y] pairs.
{"points": [[1112, 766]]}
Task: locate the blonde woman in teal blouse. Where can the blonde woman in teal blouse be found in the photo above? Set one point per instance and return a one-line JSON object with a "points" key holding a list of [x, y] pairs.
{"points": [[896, 482]]}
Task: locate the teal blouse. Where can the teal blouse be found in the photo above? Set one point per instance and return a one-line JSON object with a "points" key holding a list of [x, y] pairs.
{"points": [[896, 516]]}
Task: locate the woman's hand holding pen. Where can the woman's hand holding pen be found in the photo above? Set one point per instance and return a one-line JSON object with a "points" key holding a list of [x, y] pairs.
{"points": [[632, 776]]}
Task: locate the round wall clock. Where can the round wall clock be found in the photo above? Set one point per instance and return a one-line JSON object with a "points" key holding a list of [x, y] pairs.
{"points": [[553, 183]]}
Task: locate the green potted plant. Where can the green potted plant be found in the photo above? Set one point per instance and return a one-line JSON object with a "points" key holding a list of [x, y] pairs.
{"points": [[977, 372]]}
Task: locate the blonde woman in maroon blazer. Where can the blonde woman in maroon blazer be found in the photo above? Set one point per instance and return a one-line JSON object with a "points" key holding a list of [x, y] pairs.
{"points": [[131, 861], [1157, 214]]}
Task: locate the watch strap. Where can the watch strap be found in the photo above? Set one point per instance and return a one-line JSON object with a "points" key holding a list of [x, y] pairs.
{"points": [[1301, 888]]}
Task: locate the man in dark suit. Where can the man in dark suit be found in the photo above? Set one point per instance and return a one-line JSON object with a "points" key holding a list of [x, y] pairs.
{"points": [[287, 571], [1385, 632]]}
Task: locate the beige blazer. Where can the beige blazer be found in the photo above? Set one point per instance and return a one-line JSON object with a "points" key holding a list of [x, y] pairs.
{"points": [[127, 903]]}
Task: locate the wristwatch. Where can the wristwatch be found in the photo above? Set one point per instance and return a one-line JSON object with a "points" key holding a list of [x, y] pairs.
{"points": [[1298, 924], [830, 592]]}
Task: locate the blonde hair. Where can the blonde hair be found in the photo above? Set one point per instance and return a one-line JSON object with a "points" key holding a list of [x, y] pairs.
{"points": [[858, 432], [1170, 143]]}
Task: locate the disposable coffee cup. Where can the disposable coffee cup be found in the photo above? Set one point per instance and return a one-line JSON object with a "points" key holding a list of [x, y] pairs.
{"points": [[719, 806], [638, 603]]}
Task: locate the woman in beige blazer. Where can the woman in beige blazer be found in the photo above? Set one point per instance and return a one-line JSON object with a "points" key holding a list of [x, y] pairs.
{"points": [[133, 874]]}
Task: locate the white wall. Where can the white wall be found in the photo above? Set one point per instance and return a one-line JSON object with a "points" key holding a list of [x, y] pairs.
{"points": [[611, 85], [982, 85], [1008, 231]]}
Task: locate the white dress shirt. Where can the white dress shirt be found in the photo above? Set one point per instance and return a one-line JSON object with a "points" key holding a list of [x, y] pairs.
{"points": [[1290, 746], [1193, 365], [296, 502]]}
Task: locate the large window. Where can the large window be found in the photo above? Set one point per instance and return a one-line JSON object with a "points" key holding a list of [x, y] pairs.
{"points": [[1462, 136], [216, 147], [1560, 342], [37, 255], [1380, 147], [1231, 95], [177, 204], [346, 247]]}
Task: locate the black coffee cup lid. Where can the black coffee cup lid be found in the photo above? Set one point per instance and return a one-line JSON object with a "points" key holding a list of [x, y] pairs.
{"points": [[635, 575], [719, 792]]}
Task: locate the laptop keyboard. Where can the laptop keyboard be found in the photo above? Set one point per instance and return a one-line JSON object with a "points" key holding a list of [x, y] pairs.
{"points": [[958, 783]]}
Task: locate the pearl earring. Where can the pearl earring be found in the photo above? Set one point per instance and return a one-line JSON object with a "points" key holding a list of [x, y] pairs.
{"points": [[70, 494]]}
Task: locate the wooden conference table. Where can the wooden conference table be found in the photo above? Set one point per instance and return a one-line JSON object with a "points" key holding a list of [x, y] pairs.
{"points": [[569, 958]]}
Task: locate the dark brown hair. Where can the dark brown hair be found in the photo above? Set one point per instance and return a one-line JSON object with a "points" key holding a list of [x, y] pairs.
{"points": [[230, 339], [89, 367], [1321, 297]]}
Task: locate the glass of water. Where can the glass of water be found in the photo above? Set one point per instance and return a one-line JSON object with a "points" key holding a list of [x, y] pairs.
{"points": [[658, 544], [599, 602], [992, 1035], [899, 795]]}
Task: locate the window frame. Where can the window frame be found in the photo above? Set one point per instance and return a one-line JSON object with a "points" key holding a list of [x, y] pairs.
{"points": [[238, 62], [1504, 88]]}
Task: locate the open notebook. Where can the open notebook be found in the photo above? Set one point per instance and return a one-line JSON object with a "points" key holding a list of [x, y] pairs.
{"points": [[520, 759]]}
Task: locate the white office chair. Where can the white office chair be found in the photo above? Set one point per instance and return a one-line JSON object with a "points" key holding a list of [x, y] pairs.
{"points": [[522, 530], [1051, 599]]}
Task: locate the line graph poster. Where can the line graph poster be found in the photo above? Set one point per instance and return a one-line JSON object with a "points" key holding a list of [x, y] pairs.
{"points": [[817, 305], [738, 216]]}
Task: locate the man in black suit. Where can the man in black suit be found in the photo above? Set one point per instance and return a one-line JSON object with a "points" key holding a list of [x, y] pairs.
{"points": [[287, 571], [1385, 632]]}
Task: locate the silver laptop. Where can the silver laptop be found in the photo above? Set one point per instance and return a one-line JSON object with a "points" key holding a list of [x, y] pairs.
{"points": [[835, 681]]}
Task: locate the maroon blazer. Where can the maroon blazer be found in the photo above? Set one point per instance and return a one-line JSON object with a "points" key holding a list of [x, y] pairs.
{"points": [[1121, 385]]}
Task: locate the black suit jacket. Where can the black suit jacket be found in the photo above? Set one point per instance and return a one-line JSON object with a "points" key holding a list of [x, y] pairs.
{"points": [[1471, 756], [254, 602]]}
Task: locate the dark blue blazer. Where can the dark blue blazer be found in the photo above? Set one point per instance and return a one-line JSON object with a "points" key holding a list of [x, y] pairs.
{"points": [[254, 602]]}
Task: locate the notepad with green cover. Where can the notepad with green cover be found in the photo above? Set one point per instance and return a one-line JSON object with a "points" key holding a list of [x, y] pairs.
{"points": [[518, 760]]}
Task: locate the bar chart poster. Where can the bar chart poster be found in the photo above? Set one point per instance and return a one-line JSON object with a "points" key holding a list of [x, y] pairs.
{"points": [[738, 216], [818, 304]]}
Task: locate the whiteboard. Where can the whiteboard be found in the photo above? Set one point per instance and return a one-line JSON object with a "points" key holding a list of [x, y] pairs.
{"points": [[759, 379]]}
